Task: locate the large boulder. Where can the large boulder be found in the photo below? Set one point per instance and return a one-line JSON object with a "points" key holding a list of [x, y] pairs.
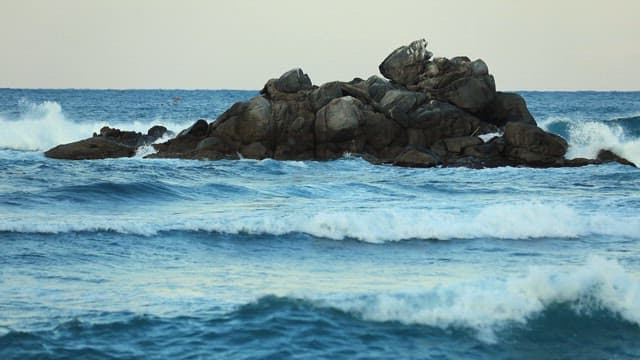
{"points": [[325, 93], [397, 104], [507, 107], [338, 128], [405, 64], [293, 81], [90, 149], [199, 129], [385, 138], [416, 157], [437, 120], [183, 145], [377, 87], [471, 93], [531, 145], [293, 130]]}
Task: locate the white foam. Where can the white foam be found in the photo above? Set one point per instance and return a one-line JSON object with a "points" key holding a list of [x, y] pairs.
{"points": [[486, 305], [588, 138], [523, 221], [41, 126], [487, 137]]}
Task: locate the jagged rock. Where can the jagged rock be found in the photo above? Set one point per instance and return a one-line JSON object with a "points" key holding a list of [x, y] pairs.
{"points": [[406, 63], [293, 81], [530, 144], [127, 138], [606, 156], [507, 107], [90, 149], [416, 157]]}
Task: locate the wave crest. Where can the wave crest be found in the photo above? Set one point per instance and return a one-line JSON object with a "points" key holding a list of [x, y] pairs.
{"points": [[525, 221], [587, 138], [41, 126], [487, 307]]}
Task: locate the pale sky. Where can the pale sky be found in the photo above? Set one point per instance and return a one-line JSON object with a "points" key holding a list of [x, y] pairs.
{"points": [[239, 44]]}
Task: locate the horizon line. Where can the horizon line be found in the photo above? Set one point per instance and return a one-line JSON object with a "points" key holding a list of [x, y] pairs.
{"points": [[257, 90]]}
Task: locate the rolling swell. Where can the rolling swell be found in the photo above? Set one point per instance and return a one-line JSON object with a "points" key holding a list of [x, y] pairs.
{"points": [[282, 327], [501, 221]]}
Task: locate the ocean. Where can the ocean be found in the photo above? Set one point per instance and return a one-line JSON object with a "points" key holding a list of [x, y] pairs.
{"points": [[177, 259]]}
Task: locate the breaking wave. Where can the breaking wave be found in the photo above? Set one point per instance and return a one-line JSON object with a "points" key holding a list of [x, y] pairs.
{"points": [[594, 307], [598, 286], [41, 126], [526, 221], [587, 138]]}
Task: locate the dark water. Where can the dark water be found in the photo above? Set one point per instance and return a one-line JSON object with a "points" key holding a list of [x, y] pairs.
{"points": [[135, 258]]}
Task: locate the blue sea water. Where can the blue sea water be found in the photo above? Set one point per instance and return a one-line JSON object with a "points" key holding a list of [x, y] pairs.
{"points": [[155, 259]]}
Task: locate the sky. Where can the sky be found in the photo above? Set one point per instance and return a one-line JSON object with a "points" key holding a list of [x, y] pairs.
{"points": [[240, 44]]}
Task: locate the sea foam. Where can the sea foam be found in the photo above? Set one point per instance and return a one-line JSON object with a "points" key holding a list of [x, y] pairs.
{"points": [[488, 305], [501, 221], [586, 138], [41, 126]]}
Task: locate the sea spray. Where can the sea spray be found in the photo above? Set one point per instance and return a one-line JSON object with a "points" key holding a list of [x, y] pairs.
{"points": [[586, 139], [41, 126]]}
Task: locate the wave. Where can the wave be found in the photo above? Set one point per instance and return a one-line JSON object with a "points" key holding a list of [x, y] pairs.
{"points": [[524, 221], [41, 126], [591, 309], [587, 138], [599, 288], [102, 191]]}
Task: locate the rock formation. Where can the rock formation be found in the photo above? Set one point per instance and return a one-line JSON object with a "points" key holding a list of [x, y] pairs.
{"points": [[428, 112], [109, 143]]}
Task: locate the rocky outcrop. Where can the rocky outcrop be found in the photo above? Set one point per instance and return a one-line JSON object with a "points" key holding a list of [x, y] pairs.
{"points": [[427, 112], [109, 143]]}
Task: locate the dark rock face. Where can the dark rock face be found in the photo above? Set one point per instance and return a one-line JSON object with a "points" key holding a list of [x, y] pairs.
{"points": [[432, 112], [530, 144], [293, 81], [606, 156], [406, 63], [507, 107], [109, 143], [416, 157], [91, 149]]}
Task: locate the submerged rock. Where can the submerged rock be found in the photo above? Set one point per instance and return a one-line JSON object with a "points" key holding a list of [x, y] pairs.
{"points": [[606, 156], [91, 149]]}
